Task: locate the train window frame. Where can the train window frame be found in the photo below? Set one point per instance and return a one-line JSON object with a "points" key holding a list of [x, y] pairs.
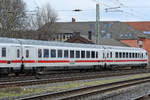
{"points": [[71, 53], [96, 54], [88, 54], [124, 55], [130, 55], [53, 53], [3, 52], [127, 55], [46, 53], [39, 53], [27, 53], [116, 54], [18, 53], [66, 53], [82, 54], [103, 55], [92, 54], [77, 54], [136, 55], [142, 55], [120, 54], [59, 53], [110, 54]]}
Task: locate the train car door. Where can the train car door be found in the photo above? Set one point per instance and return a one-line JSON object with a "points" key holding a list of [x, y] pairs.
{"points": [[29, 56], [13, 55]]}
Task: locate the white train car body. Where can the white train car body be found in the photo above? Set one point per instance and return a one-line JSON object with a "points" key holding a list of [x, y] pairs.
{"points": [[28, 54]]}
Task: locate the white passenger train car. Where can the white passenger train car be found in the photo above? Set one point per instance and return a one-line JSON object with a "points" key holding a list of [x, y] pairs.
{"points": [[16, 54]]}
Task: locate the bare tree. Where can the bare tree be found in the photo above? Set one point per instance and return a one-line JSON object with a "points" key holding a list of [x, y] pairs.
{"points": [[12, 15], [44, 21]]}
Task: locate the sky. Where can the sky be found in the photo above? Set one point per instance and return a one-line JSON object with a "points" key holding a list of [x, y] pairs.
{"points": [[125, 10]]}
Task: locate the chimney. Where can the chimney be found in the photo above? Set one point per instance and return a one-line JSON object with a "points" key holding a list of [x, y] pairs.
{"points": [[89, 35], [73, 20]]}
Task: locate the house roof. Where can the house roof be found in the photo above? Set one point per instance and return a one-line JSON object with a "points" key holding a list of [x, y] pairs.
{"points": [[140, 26], [79, 39], [111, 42]]}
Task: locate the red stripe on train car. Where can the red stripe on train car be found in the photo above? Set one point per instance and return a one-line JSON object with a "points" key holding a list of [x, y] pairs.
{"points": [[129, 60], [53, 61], [16, 61], [83, 61], [29, 61], [3, 61]]}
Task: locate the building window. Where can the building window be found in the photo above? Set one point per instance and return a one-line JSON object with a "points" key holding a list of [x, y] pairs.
{"points": [[105, 25], [107, 36]]}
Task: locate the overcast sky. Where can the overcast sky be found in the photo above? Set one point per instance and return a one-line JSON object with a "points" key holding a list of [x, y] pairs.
{"points": [[127, 10]]}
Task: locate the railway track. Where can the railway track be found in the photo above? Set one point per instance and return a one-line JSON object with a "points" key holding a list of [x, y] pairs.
{"points": [[68, 78], [88, 92]]}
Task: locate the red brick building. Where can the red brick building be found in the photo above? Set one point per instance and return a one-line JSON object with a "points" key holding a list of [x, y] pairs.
{"points": [[143, 41]]}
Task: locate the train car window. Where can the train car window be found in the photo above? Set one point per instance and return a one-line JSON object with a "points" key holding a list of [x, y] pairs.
{"points": [[82, 54], [27, 53], [120, 55], [96, 54], [40, 53], [77, 54], [107, 55], [59, 53], [88, 54], [124, 55], [46, 53], [130, 55], [136, 55], [103, 55], [53, 53], [3, 52], [93, 54], [66, 53], [110, 54], [142, 55], [116, 55], [127, 54], [71, 54], [18, 53]]}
